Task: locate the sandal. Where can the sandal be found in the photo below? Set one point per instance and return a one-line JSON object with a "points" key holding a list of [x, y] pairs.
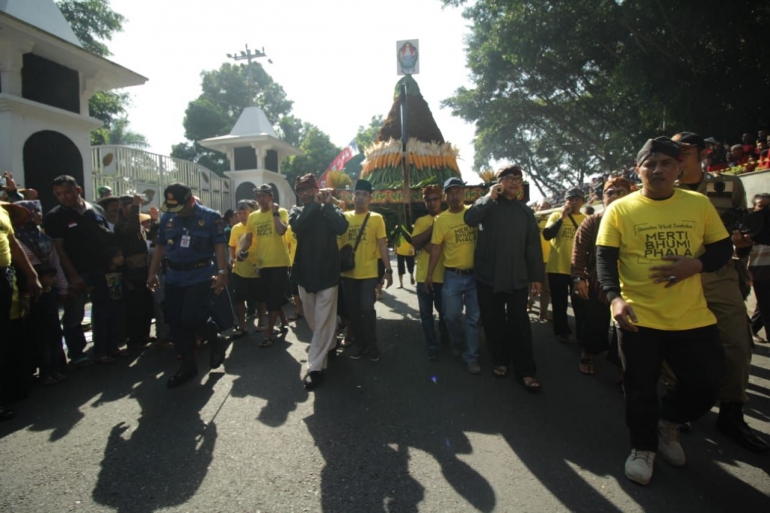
{"points": [[531, 384], [267, 342], [283, 328], [261, 327], [296, 317], [238, 333], [500, 371], [587, 366]]}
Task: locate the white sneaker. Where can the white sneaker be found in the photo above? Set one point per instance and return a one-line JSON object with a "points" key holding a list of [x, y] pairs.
{"points": [[639, 466], [668, 443]]}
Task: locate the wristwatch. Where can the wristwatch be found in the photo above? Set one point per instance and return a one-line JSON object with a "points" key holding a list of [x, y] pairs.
{"points": [[221, 271], [388, 271], [577, 279]]}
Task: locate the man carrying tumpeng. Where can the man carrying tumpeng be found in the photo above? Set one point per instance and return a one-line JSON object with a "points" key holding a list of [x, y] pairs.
{"points": [[268, 225], [651, 248], [723, 295], [508, 258], [457, 241], [421, 235], [316, 270], [360, 282]]}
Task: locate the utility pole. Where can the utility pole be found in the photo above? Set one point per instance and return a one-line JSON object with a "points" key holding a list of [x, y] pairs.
{"points": [[248, 55]]}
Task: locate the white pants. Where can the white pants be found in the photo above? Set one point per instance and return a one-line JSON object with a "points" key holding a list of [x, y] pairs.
{"points": [[321, 313]]}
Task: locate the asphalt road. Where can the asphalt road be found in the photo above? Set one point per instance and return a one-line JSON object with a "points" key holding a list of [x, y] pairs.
{"points": [[402, 434]]}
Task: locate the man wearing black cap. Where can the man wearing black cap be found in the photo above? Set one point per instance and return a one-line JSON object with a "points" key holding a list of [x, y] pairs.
{"points": [[723, 292], [560, 231], [457, 241], [268, 225], [507, 259], [192, 239], [651, 249], [316, 270], [360, 282]]}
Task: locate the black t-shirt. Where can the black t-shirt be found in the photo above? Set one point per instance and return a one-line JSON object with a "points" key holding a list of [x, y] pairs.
{"points": [[85, 235]]}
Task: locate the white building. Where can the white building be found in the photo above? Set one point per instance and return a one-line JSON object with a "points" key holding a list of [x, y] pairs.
{"points": [[46, 81]]}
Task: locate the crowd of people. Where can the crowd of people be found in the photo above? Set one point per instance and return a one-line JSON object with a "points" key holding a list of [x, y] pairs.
{"points": [[654, 280]]}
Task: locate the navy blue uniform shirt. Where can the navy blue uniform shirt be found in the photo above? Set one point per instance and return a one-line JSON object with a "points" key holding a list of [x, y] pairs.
{"points": [[189, 240]]}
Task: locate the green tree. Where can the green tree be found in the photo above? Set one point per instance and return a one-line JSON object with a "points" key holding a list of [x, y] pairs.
{"points": [[225, 93], [317, 153], [94, 22], [569, 89]]}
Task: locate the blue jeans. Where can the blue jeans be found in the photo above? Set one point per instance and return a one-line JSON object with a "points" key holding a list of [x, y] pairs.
{"points": [[459, 290], [427, 300]]}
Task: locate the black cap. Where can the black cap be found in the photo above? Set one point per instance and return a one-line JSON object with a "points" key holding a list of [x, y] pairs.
{"points": [[176, 195], [691, 139], [662, 145], [363, 185], [453, 182], [264, 188], [575, 192]]}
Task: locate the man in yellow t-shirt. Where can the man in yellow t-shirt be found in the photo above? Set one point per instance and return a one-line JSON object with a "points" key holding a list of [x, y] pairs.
{"points": [[457, 242], [651, 248], [421, 235], [360, 282], [545, 291], [402, 241], [245, 276], [268, 225], [560, 230]]}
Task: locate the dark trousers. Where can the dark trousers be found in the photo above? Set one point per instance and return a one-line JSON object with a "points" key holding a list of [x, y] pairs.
{"points": [[139, 310], [46, 333], [761, 317], [506, 326], [106, 315], [188, 313], [696, 358], [360, 296], [562, 289], [427, 300], [405, 262], [594, 330]]}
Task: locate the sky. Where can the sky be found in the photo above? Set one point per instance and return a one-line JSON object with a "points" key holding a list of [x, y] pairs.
{"points": [[336, 60]]}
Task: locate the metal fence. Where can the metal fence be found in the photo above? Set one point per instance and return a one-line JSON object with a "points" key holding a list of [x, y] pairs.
{"points": [[129, 170]]}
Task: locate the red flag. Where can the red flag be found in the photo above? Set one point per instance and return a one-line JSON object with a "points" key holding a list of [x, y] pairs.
{"points": [[338, 164]]}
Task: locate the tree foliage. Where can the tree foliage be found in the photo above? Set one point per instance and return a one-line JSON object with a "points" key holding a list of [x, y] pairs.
{"points": [[225, 93], [568, 89], [317, 153], [94, 22]]}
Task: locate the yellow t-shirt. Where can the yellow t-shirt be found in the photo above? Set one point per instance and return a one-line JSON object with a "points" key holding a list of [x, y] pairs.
{"points": [[423, 258], [6, 229], [645, 230], [560, 256], [246, 268], [368, 251], [271, 247], [458, 239], [544, 244], [403, 247], [291, 242]]}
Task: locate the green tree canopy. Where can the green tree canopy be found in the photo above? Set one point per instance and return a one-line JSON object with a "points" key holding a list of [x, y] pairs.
{"points": [[568, 89], [317, 153], [94, 22], [225, 93]]}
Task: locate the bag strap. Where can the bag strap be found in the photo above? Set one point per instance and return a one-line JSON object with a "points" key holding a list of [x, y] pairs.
{"points": [[361, 231], [573, 221]]}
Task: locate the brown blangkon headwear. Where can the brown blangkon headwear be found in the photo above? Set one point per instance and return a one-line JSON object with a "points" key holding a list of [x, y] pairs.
{"points": [[306, 180]]}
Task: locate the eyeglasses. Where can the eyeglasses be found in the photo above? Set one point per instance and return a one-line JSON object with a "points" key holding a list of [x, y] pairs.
{"points": [[511, 178], [614, 192]]}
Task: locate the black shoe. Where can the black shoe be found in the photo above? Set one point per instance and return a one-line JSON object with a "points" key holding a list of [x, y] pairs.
{"points": [[313, 379], [218, 348], [374, 354], [730, 422], [6, 414], [186, 372], [358, 352]]}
